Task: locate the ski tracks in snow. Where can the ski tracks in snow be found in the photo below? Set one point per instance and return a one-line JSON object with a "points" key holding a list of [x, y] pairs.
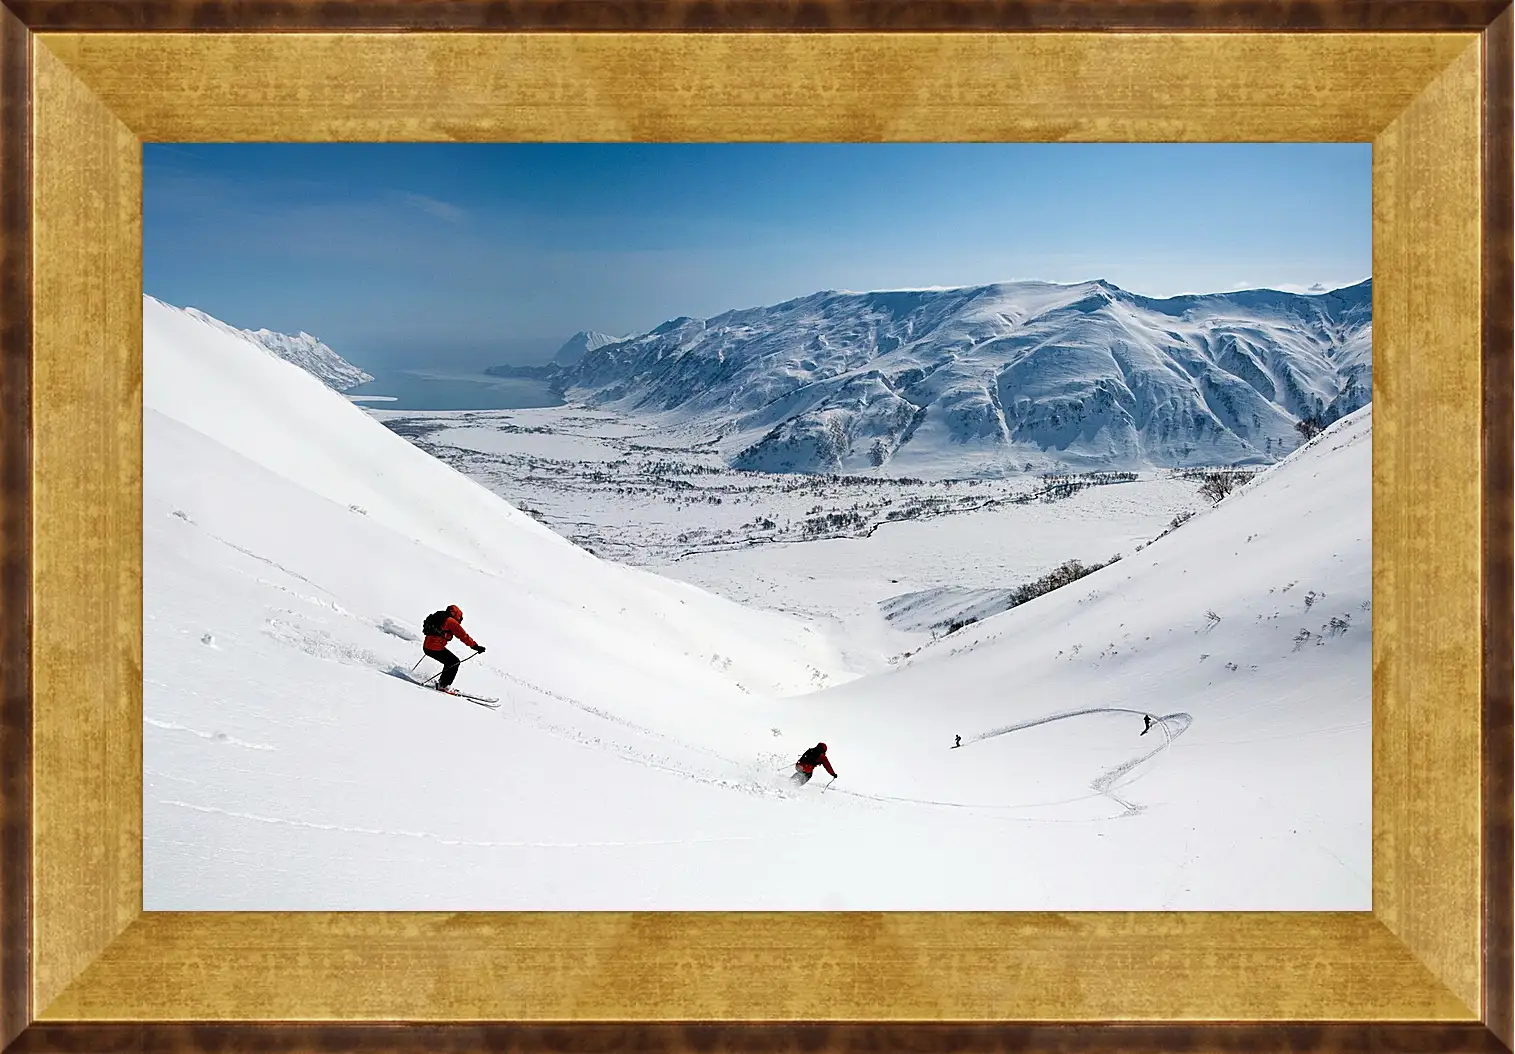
{"points": [[661, 762], [214, 737], [1107, 782], [1185, 719], [321, 643], [182, 515]]}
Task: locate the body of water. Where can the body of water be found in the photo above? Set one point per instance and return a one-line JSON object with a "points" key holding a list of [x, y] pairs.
{"points": [[450, 390]]}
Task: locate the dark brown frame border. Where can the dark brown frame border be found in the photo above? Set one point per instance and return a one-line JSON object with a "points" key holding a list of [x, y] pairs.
{"points": [[15, 526], [1498, 531], [869, 1037], [20, 18], [934, 16]]}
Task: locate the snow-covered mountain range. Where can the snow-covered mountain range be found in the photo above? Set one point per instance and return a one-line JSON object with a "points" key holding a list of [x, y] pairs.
{"points": [[301, 349], [997, 378], [581, 344]]}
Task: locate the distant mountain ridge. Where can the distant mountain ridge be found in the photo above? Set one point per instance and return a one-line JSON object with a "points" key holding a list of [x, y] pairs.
{"points": [[570, 354], [302, 350], [996, 378], [312, 356], [581, 344]]}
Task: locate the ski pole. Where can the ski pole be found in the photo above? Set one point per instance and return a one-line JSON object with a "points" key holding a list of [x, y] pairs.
{"points": [[827, 787], [439, 672]]}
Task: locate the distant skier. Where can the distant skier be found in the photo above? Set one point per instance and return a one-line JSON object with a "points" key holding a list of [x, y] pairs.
{"points": [[1148, 726], [958, 743], [441, 627], [804, 767]]}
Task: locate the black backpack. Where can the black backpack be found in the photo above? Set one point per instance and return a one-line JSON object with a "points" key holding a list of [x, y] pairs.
{"points": [[432, 627], [812, 756]]}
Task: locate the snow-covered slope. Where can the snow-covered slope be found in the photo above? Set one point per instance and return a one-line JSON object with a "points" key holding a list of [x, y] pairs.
{"points": [[302, 349], [581, 344], [996, 378], [274, 416], [639, 757], [1247, 631], [293, 546]]}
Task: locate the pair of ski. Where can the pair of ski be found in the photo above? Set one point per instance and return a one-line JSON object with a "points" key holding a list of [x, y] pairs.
{"points": [[482, 700]]}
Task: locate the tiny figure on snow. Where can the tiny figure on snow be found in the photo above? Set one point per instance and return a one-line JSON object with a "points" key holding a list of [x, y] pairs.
{"points": [[441, 627], [958, 743], [1148, 726], [804, 767]]}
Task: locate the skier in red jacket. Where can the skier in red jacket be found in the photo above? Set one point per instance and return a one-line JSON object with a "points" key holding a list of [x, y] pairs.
{"points": [[441, 627], [804, 767]]}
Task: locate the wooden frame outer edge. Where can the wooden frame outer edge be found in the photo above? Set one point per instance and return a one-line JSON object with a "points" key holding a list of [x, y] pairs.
{"points": [[760, 15], [15, 525], [768, 1038], [1498, 530], [20, 17]]}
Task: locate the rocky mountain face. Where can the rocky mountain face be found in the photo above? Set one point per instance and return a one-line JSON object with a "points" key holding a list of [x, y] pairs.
{"points": [[998, 378]]}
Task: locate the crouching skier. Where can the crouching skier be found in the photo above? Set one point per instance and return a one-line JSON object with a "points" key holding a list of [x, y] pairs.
{"points": [[441, 627], [805, 766]]}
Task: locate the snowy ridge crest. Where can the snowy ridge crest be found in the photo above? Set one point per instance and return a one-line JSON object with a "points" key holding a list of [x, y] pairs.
{"points": [[302, 350], [581, 344], [312, 356], [995, 379]]}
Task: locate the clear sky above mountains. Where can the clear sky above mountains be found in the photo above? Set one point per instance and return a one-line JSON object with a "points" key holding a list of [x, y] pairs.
{"points": [[461, 254]]}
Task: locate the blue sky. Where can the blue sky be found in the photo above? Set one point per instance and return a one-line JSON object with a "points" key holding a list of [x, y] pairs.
{"points": [[468, 254]]}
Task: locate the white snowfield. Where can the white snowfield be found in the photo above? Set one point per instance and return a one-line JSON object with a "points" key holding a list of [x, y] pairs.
{"points": [[639, 758]]}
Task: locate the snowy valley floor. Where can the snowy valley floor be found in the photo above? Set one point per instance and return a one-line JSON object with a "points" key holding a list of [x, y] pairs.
{"points": [[639, 757], [885, 565]]}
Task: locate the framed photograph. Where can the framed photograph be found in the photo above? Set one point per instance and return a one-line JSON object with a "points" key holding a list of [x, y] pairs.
{"points": [[741, 526]]}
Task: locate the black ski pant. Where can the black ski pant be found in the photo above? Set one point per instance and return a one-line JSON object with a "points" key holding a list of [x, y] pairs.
{"points": [[449, 661]]}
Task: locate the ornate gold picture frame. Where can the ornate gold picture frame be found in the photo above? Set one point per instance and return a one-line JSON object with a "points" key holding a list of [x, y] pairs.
{"points": [[86, 83]]}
